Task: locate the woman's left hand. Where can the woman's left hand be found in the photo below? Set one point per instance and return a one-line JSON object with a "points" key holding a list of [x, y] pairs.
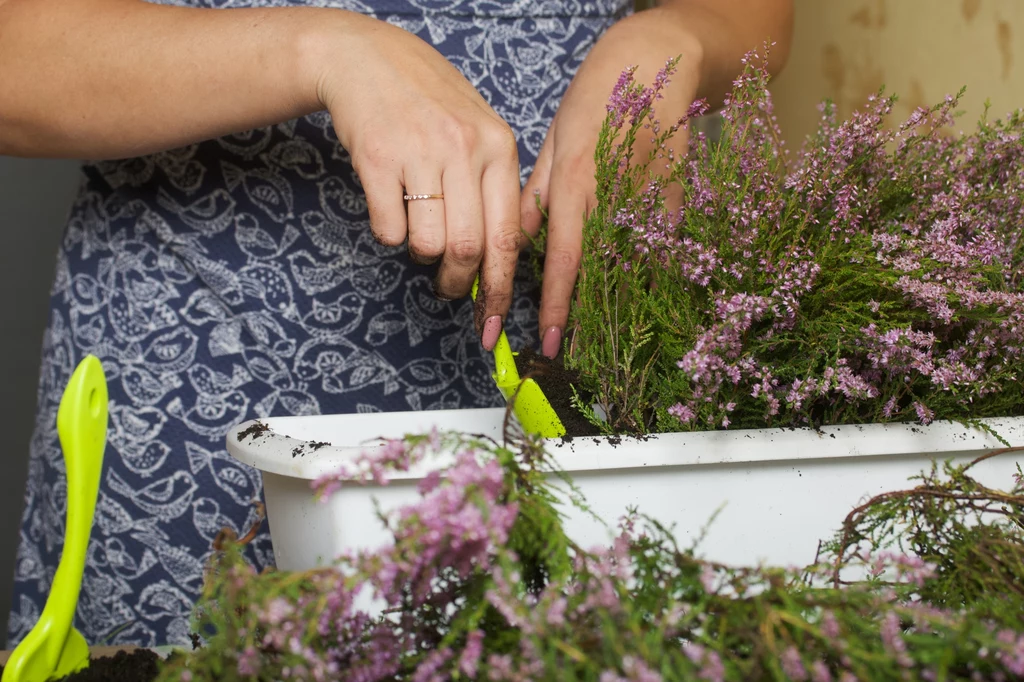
{"points": [[563, 176]]}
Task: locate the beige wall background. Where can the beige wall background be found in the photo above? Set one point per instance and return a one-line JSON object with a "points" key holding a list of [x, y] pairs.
{"points": [[920, 50]]}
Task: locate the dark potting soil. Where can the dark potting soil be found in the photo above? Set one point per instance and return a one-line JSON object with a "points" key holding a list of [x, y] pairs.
{"points": [[300, 451], [139, 665], [557, 382], [256, 429]]}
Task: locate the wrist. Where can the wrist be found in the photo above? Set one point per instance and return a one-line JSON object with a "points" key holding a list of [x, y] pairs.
{"points": [[325, 45], [664, 35]]}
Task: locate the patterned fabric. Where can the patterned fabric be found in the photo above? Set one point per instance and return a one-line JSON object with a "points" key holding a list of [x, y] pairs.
{"points": [[238, 278]]}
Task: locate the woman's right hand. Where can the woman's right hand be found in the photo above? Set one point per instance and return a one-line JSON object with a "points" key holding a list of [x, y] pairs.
{"points": [[414, 125]]}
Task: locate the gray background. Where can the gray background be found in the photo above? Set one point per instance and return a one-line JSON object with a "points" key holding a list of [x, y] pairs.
{"points": [[34, 199]]}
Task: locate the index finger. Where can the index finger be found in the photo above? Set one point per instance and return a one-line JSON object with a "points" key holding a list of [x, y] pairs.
{"points": [[566, 209], [502, 233]]}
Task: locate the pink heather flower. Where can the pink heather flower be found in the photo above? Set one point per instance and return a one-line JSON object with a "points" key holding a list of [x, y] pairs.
{"points": [[820, 672], [697, 108], [793, 665], [449, 528], [632, 101], [503, 598], [531, 666], [430, 669], [602, 593], [500, 667], [913, 569], [637, 671], [830, 626], [611, 676], [675, 613], [892, 638], [277, 610], [890, 407], [923, 413], [556, 611], [249, 662], [326, 486], [1013, 656], [469, 659], [619, 103], [682, 412], [694, 652], [372, 465], [711, 668]]}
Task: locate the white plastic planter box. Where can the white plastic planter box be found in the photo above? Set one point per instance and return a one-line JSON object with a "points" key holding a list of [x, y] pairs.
{"points": [[780, 490]]}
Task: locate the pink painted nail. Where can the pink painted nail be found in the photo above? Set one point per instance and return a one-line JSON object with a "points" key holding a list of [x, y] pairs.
{"points": [[552, 341], [492, 328]]}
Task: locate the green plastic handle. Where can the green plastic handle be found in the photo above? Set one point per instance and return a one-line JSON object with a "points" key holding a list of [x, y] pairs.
{"points": [[506, 375], [82, 428], [54, 649]]}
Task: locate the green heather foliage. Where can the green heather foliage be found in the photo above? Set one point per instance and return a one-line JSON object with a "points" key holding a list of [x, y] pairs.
{"points": [[875, 277], [920, 584]]}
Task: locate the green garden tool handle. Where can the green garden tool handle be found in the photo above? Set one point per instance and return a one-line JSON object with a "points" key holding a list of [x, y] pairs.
{"points": [[54, 648], [82, 428], [506, 376]]}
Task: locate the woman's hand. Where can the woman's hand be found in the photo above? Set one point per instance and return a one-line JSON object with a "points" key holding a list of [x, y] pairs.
{"points": [[564, 173], [710, 36], [414, 125]]}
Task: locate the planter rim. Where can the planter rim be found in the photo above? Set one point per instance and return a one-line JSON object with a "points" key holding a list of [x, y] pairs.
{"points": [[278, 450]]}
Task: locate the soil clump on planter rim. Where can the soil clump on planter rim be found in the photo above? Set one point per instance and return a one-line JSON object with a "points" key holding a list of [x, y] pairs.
{"points": [[254, 431], [557, 382], [313, 446]]}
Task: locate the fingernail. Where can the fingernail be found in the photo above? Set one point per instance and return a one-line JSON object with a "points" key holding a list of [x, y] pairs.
{"points": [[492, 328], [552, 340]]}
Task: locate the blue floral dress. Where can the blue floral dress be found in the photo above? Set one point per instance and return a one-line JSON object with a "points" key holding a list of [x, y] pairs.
{"points": [[238, 278]]}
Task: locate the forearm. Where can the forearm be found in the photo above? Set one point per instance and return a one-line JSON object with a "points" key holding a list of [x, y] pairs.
{"points": [[722, 31], [117, 78]]}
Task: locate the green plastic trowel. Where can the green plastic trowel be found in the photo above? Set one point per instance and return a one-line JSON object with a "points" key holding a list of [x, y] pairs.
{"points": [[54, 648], [529, 404]]}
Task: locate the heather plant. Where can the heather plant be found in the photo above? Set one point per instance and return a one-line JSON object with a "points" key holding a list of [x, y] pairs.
{"points": [[481, 582], [874, 276]]}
